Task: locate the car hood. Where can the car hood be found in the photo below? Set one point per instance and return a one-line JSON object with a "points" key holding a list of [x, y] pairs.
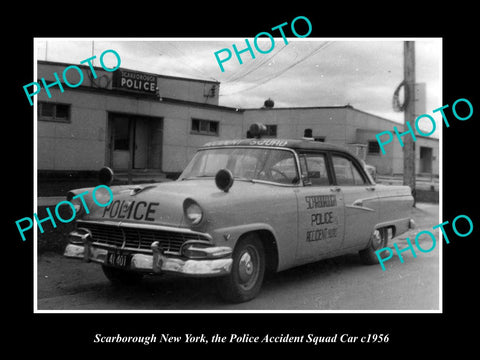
{"points": [[162, 203]]}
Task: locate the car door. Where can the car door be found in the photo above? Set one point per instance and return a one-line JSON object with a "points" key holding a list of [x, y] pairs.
{"points": [[360, 200], [320, 210]]}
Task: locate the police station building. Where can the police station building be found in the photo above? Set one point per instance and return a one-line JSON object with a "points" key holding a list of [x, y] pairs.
{"points": [[137, 121]]}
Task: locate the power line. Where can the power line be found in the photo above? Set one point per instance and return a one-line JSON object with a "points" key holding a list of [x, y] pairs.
{"points": [[268, 78], [179, 53], [258, 64], [182, 53]]}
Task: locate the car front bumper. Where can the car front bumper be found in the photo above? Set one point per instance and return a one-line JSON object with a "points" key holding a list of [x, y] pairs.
{"points": [[156, 262]]}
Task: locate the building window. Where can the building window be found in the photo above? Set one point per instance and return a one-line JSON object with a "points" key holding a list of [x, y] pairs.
{"points": [[205, 127], [373, 147], [271, 131], [48, 111]]}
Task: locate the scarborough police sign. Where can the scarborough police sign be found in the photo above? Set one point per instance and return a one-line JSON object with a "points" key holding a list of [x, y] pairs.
{"points": [[136, 81]]}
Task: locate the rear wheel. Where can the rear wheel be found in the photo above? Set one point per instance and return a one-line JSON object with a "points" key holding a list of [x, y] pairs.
{"points": [[121, 277], [248, 269], [378, 240]]}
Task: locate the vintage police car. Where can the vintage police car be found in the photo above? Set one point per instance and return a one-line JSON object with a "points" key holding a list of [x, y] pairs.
{"points": [[240, 208]]}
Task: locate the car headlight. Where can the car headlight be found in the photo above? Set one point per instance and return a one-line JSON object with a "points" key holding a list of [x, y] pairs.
{"points": [[193, 211]]}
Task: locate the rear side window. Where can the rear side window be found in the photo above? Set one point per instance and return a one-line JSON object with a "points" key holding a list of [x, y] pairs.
{"points": [[315, 169], [345, 172]]}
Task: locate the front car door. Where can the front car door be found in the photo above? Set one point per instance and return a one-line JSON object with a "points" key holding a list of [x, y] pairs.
{"points": [[361, 201], [320, 210]]}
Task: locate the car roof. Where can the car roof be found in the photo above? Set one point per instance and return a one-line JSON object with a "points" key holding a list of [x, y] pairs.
{"points": [[296, 144]]}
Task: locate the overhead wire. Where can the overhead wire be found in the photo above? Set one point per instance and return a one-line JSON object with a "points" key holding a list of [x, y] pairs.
{"points": [[270, 77], [177, 56], [182, 53], [256, 65]]}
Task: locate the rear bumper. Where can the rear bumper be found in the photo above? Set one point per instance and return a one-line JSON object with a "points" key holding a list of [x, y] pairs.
{"points": [[400, 225], [155, 263]]}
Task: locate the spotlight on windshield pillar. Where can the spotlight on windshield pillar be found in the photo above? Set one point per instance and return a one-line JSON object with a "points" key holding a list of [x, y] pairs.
{"points": [[105, 175], [224, 179]]}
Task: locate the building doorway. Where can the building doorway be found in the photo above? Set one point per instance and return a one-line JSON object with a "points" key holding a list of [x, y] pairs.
{"points": [[135, 142], [426, 159]]}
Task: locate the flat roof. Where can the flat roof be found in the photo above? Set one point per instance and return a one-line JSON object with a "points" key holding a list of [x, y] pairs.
{"points": [[45, 62]]}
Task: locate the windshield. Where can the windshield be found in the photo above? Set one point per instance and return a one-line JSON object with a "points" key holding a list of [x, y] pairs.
{"points": [[248, 163]]}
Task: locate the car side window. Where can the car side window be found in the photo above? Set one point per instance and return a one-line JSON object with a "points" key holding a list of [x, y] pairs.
{"points": [[316, 169], [345, 172], [284, 171]]}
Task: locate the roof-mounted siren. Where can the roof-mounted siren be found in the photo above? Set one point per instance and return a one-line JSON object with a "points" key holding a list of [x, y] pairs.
{"points": [[256, 130]]}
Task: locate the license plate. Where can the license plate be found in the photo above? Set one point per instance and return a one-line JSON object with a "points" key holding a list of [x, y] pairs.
{"points": [[118, 259]]}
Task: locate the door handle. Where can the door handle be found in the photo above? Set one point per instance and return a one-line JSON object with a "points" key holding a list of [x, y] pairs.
{"points": [[370, 188], [335, 189]]}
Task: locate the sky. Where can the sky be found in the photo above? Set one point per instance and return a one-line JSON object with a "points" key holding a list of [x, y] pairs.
{"points": [[363, 73]]}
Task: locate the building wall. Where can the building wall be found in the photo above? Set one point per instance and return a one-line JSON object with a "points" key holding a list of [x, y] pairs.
{"points": [[291, 122], [189, 90], [180, 143], [60, 144], [168, 86], [84, 142], [356, 119], [343, 125], [429, 143], [363, 127], [47, 70]]}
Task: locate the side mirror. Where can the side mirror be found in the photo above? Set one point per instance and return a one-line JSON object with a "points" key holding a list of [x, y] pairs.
{"points": [[224, 179], [105, 175]]}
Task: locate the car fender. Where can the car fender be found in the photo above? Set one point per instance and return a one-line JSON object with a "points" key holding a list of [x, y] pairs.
{"points": [[229, 236]]}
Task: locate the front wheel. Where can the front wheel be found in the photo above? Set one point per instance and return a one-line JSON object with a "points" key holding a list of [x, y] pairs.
{"points": [[378, 240], [248, 269]]}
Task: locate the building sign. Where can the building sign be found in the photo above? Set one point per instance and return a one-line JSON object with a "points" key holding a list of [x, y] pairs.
{"points": [[136, 81]]}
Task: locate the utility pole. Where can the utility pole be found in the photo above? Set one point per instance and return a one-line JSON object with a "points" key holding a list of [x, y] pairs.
{"points": [[409, 116]]}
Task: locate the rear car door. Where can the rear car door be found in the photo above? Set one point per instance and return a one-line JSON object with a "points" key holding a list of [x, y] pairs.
{"points": [[360, 199], [320, 210]]}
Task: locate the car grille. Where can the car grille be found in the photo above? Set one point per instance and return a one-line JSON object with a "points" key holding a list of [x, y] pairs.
{"points": [[135, 238]]}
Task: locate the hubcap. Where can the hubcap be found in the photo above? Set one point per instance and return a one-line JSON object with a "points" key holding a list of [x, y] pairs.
{"points": [[248, 268]]}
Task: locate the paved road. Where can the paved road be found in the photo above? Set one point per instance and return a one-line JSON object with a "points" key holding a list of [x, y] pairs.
{"points": [[341, 283]]}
